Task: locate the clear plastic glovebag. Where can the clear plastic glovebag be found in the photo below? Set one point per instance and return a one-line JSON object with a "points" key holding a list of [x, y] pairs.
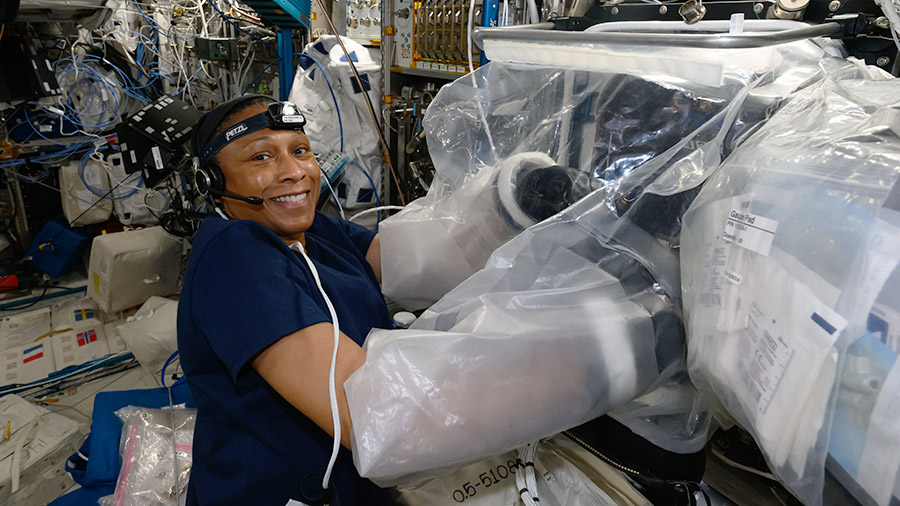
{"points": [[515, 143], [157, 454], [785, 254], [576, 315]]}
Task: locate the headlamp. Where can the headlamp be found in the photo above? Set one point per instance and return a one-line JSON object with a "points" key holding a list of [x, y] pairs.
{"points": [[278, 116]]}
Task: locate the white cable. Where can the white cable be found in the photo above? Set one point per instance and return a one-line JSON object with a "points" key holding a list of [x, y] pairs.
{"points": [[530, 479], [374, 209], [204, 31], [332, 392], [526, 481], [533, 15], [242, 76], [333, 194], [471, 21], [893, 17], [487, 129], [521, 486]]}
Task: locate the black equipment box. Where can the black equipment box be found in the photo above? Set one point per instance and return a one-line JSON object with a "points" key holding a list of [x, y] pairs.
{"points": [[152, 139]]}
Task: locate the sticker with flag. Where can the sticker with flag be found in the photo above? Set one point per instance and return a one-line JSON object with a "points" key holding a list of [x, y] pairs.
{"points": [[87, 337], [83, 314], [33, 353]]}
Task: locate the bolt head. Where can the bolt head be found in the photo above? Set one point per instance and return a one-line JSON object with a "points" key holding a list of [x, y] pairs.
{"points": [[614, 10], [663, 9], [882, 22], [757, 7], [882, 61], [834, 5]]}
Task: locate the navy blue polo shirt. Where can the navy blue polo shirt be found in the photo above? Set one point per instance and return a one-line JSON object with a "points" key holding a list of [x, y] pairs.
{"points": [[244, 289]]}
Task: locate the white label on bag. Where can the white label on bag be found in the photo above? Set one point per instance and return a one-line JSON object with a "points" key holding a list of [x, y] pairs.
{"points": [[784, 361], [770, 351], [768, 357], [750, 231], [157, 158], [878, 462], [733, 277]]}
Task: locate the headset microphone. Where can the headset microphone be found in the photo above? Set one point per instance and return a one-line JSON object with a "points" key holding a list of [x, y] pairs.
{"points": [[256, 201]]}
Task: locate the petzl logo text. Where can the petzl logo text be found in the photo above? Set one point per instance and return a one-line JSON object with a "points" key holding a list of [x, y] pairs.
{"points": [[234, 132]]}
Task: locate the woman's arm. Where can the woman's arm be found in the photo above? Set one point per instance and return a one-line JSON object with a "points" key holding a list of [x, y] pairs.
{"points": [[373, 256], [298, 366]]}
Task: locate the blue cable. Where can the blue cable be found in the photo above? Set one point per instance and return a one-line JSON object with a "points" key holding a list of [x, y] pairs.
{"points": [[97, 78], [106, 193], [211, 2], [162, 374], [330, 89], [28, 120], [148, 18], [257, 77], [127, 83]]}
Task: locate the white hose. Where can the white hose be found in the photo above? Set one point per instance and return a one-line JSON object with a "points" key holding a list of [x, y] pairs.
{"points": [[332, 391], [533, 16], [374, 209]]}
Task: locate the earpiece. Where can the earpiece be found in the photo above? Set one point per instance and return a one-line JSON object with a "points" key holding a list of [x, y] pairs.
{"points": [[208, 179]]}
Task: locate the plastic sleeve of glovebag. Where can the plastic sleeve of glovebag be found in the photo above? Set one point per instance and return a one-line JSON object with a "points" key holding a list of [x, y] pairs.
{"points": [[786, 258], [450, 239], [547, 336]]}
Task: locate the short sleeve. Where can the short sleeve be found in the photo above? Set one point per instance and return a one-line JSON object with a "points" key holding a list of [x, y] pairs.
{"points": [[248, 291], [359, 236]]}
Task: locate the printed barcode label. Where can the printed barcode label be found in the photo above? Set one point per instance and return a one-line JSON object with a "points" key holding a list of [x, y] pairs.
{"points": [[750, 231]]}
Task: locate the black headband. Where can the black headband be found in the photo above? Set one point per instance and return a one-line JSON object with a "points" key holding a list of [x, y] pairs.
{"points": [[206, 127], [278, 116]]}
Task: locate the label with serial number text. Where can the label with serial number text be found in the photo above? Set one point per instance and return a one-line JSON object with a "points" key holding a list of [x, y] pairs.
{"points": [[750, 231]]}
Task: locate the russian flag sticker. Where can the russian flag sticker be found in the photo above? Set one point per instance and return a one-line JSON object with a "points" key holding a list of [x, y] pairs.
{"points": [[32, 354]]}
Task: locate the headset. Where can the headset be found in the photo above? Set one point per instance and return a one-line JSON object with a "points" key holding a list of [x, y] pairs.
{"points": [[208, 177]]}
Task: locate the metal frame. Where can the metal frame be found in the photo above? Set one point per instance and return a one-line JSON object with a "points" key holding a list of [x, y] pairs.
{"points": [[285, 62], [710, 41]]}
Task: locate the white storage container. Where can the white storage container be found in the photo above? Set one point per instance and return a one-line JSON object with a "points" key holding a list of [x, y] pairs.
{"points": [[127, 268]]}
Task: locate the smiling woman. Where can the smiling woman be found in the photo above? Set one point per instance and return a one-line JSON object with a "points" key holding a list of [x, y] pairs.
{"points": [[254, 332], [277, 166]]}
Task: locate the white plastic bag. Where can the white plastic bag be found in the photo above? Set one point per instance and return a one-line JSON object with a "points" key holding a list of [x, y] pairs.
{"points": [[151, 333], [157, 453], [783, 255]]}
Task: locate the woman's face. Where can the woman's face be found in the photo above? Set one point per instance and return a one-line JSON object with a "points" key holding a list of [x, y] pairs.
{"points": [[277, 166]]}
